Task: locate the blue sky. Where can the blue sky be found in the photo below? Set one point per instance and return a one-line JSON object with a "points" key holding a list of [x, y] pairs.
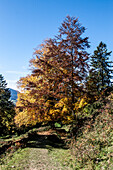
{"points": [[24, 24]]}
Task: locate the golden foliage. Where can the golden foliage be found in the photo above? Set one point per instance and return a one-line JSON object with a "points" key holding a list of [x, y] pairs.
{"points": [[58, 69]]}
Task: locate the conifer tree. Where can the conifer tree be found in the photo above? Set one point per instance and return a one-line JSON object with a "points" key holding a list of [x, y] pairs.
{"points": [[6, 107], [101, 67]]}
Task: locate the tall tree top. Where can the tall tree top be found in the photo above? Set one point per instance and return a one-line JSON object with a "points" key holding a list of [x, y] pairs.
{"points": [[100, 56], [3, 83], [70, 32], [102, 50]]}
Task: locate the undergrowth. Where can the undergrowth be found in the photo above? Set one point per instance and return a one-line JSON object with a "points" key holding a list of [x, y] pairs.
{"points": [[93, 147]]}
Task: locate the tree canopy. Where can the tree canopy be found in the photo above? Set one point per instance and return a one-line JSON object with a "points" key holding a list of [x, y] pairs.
{"points": [[59, 68]]}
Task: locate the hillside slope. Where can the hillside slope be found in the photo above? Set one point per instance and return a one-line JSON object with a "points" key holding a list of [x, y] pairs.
{"points": [[13, 95], [92, 146]]}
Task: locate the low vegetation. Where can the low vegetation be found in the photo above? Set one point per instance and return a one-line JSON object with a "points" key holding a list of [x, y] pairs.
{"points": [[93, 145]]}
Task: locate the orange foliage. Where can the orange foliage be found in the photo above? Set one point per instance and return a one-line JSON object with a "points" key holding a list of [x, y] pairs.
{"points": [[58, 69]]}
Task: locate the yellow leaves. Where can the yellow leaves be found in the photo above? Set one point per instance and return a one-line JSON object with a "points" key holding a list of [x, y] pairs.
{"points": [[64, 110], [34, 117], [51, 111], [62, 102], [81, 103], [48, 104], [59, 104], [25, 118], [63, 70], [96, 97], [59, 110]]}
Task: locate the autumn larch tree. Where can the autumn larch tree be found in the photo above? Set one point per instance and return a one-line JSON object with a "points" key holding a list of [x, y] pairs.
{"points": [[68, 53], [58, 72]]}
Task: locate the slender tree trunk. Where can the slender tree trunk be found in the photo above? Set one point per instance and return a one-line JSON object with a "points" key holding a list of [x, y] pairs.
{"points": [[72, 93], [102, 76]]}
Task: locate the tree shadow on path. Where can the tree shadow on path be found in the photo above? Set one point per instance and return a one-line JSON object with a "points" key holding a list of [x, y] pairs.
{"points": [[45, 141]]}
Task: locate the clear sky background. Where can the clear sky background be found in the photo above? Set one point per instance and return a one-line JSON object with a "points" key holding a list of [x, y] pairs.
{"points": [[24, 24]]}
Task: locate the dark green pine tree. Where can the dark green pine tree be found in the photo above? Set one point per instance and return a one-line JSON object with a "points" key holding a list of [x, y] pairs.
{"points": [[101, 67], [6, 108]]}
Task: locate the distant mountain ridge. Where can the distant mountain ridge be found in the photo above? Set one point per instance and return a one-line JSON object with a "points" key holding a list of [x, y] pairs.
{"points": [[13, 95]]}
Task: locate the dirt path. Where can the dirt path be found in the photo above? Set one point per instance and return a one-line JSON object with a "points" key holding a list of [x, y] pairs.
{"points": [[39, 156], [44, 151], [40, 160]]}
